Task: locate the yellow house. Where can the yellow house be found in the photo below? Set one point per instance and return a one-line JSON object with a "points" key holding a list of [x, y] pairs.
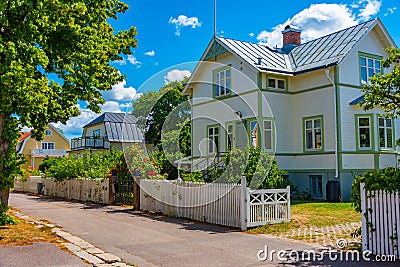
{"points": [[54, 144]]}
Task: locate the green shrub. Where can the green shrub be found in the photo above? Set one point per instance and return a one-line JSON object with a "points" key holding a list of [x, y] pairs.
{"points": [[6, 219], [387, 179]]}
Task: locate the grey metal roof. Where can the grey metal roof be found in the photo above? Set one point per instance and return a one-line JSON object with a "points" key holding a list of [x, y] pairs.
{"points": [[113, 117], [323, 52], [358, 100], [120, 127], [270, 59]]}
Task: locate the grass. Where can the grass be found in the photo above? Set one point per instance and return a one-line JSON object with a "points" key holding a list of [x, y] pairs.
{"points": [[25, 233], [315, 214]]}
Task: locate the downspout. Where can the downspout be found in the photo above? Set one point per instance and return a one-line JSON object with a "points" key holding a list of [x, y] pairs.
{"points": [[335, 122]]}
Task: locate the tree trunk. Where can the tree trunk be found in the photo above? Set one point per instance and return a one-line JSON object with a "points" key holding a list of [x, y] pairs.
{"points": [[4, 196], [4, 144]]}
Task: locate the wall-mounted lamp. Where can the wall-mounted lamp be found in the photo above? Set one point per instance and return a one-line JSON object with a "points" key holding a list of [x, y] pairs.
{"points": [[238, 113]]}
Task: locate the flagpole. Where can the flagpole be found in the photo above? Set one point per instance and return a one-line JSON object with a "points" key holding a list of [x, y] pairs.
{"points": [[215, 17]]}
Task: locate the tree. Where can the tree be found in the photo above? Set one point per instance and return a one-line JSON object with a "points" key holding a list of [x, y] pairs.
{"points": [[165, 117], [384, 90], [52, 54], [154, 107]]}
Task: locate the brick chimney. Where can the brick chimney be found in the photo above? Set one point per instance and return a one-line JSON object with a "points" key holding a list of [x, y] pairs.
{"points": [[291, 36]]}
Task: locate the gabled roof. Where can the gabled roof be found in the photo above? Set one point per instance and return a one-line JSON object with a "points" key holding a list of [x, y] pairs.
{"points": [[120, 127], [320, 53]]}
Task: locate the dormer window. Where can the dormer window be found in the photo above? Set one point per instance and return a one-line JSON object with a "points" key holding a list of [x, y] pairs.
{"points": [[48, 133], [276, 83], [222, 81]]}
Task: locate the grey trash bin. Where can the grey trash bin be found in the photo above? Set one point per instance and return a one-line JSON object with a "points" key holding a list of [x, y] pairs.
{"points": [[39, 188]]}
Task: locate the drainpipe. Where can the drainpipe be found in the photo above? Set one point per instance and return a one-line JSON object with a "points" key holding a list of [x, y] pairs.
{"points": [[335, 122]]}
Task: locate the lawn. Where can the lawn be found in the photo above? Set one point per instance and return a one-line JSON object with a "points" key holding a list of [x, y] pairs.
{"points": [[25, 233], [312, 214]]}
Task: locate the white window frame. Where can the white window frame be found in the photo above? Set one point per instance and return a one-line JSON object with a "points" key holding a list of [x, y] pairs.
{"points": [[313, 130], [385, 128], [317, 191], [230, 135], [276, 81], [213, 139], [47, 145], [222, 82], [369, 127], [268, 133], [367, 69]]}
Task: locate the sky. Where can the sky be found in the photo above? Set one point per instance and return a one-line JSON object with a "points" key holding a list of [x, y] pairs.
{"points": [[172, 36]]}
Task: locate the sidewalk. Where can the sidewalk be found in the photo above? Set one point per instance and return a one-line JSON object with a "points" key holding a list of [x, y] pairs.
{"points": [[153, 240]]}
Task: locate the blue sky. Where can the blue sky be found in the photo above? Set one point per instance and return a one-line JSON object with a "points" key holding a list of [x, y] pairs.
{"points": [[173, 33]]}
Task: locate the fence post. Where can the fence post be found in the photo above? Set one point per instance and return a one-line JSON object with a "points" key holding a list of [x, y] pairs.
{"points": [[288, 202], [243, 204], [136, 193], [364, 228]]}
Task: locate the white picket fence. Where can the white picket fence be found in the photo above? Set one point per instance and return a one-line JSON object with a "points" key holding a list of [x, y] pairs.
{"points": [[380, 222], [224, 204]]}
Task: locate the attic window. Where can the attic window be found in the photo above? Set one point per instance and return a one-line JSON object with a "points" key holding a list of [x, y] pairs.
{"points": [[48, 132], [275, 83], [222, 81]]}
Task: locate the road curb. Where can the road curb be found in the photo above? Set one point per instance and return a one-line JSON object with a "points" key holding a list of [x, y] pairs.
{"points": [[78, 246]]}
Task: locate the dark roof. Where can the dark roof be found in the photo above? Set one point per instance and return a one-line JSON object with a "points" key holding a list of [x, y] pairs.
{"points": [[323, 52], [120, 127], [113, 117], [358, 100]]}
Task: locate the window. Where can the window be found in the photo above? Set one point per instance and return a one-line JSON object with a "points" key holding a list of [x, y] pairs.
{"points": [[268, 134], [316, 185], [48, 132], [230, 129], [47, 145], [254, 134], [385, 128], [222, 82], [96, 133], [313, 133], [364, 132], [274, 83], [213, 139], [369, 66]]}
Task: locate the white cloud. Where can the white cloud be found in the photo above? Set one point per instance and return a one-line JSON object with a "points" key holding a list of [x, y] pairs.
{"points": [[73, 127], [176, 75], [251, 34], [120, 92], [392, 10], [132, 59], [316, 21], [150, 53], [111, 106], [184, 21], [369, 9], [120, 62]]}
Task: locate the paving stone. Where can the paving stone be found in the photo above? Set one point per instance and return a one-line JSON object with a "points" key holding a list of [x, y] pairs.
{"points": [[72, 247], [119, 264], [78, 241], [62, 234], [104, 265], [40, 226], [88, 257], [50, 225], [108, 258], [94, 250]]}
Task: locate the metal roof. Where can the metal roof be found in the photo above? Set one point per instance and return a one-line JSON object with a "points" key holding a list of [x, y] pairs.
{"points": [[322, 52], [120, 127], [113, 117], [358, 100]]}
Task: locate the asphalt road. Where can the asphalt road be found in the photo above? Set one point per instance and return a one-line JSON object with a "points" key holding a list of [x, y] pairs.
{"points": [[151, 240]]}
